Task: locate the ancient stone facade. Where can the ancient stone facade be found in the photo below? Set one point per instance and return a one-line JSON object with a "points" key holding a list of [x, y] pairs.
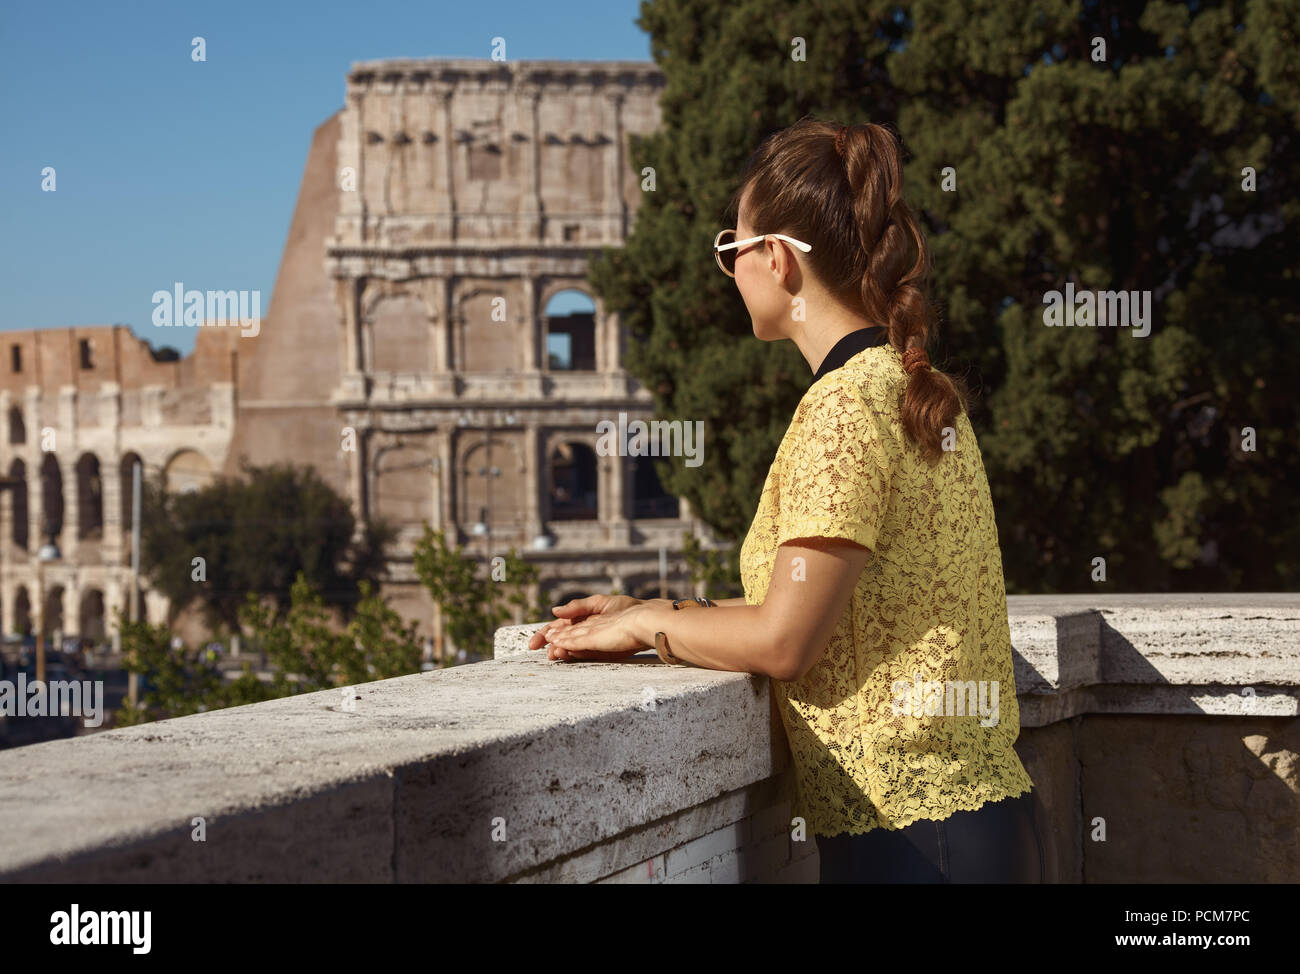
{"points": [[470, 193], [82, 406], [412, 352]]}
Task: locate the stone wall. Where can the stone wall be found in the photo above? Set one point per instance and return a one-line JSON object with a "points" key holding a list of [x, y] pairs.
{"points": [[78, 408], [519, 769], [405, 351]]}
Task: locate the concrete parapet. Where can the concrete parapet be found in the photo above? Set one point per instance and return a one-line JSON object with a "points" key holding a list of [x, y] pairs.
{"points": [[519, 769]]}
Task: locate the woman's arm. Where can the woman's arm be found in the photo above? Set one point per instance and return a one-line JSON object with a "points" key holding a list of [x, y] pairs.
{"points": [[812, 582]]}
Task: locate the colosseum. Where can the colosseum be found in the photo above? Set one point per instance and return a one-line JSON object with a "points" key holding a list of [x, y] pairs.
{"points": [[431, 347]]}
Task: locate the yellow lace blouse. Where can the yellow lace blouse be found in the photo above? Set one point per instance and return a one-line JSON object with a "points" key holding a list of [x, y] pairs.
{"points": [[911, 711]]}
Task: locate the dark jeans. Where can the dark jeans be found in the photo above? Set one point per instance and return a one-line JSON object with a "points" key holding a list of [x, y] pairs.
{"points": [[996, 843]]}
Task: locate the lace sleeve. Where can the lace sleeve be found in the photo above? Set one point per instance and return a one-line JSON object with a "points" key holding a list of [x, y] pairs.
{"points": [[835, 479]]}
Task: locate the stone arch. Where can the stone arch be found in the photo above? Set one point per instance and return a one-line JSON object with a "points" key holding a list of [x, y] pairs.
{"points": [[485, 345], [90, 498], [569, 324], [52, 498], [398, 333], [401, 488], [572, 482], [52, 617], [91, 616], [493, 483], [22, 611], [187, 471], [17, 426], [125, 470], [649, 499], [20, 526]]}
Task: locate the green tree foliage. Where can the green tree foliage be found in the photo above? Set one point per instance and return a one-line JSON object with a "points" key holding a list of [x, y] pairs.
{"points": [[718, 570], [1124, 171], [255, 534], [306, 649], [475, 605], [309, 649], [177, 682], [391, 646]]}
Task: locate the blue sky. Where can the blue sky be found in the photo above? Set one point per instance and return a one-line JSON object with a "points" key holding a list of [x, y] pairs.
{"points": [[170, 170]]}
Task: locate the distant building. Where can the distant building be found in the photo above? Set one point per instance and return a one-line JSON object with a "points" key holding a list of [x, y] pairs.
{"points": [[81, 407], [425, 314]]}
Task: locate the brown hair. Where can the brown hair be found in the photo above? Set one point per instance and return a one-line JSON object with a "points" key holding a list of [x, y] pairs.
{"points": [[867, 246]]}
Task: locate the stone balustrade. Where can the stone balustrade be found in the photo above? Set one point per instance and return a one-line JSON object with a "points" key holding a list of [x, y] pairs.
{"points": [[1161, 733]]}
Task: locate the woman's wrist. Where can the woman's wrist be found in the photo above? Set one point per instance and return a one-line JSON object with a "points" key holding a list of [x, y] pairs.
{"points": [[648, 618]]}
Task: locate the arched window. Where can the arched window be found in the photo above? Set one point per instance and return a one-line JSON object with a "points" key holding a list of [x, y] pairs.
{"points": [[91, 616], [22, 612], [493, 490], [90, 498], [52, 497], [53, 618], [570, 319], [399, 335], [126, 473], [17, 428], [403, 488], [18, 477], [649, 499], [573, 482], [187, 472]]}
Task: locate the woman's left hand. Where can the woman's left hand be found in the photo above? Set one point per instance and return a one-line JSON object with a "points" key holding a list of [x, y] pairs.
{"points": [[608, 636]]}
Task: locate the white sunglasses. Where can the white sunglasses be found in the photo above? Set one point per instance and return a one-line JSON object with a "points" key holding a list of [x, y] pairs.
{"points": [[729, 265]]}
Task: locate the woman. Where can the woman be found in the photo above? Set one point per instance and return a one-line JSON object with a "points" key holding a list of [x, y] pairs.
{"points": [[873, 582]]}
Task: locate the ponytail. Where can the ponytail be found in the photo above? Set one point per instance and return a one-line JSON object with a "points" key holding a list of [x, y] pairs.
{"points": [[894, 281], [841, 189]]}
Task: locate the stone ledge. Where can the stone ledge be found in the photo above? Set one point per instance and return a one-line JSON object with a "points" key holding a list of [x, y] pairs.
{"points": [[598, 771], [1153, 654], [408, 784], [1229, 655]]}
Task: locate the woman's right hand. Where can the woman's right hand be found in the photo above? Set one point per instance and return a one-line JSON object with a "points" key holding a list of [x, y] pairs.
{"points": [[575, 610]]}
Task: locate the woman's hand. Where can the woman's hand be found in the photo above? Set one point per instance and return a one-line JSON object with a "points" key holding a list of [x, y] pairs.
{"points": [[596, 627], [576, 610]]}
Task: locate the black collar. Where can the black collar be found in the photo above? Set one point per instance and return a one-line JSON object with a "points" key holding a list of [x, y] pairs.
{"points": [[849, 346]]}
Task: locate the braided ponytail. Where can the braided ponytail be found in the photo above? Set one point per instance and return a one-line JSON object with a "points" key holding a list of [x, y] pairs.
{"points": [[846, 199], [894, 282]]}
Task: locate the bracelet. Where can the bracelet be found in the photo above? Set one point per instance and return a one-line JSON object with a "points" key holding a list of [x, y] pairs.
{"points": [[661, 649], [698, 600], [661, 638]]}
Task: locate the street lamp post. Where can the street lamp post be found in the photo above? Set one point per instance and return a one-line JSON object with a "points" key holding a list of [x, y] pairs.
{"points": [[483, 526], [137, 476], [48, 552]]}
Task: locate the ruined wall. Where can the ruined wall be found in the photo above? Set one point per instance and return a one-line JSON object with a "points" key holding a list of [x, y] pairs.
{"points": [[78, 408], [439, 213], [288, 370]]}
